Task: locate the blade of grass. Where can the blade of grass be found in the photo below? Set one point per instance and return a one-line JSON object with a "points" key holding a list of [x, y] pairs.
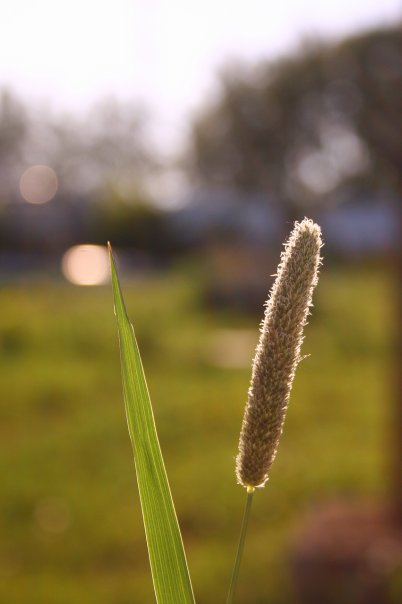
{"points": [[170, 574]]}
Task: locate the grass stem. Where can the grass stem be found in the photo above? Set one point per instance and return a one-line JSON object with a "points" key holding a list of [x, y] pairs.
{"points": [[240, 548]]}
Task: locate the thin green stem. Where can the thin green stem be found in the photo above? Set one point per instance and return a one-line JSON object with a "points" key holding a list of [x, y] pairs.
{"points": [[240, 548]]}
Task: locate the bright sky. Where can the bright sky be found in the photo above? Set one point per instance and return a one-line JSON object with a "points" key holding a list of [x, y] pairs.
{"points": [[162, 52]]}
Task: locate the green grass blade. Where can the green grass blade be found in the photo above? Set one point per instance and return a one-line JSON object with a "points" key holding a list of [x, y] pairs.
{"points": [[170, 574]]}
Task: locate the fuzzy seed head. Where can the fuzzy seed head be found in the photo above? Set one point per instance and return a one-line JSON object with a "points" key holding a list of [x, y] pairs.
{"points": [[278, 353]]}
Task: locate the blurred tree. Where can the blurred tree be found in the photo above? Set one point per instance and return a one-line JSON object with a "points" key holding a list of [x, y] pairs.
{"points": [[101, 159], [13, 135], [107, 146], [89, 153], [307, 124], [132, 222]]}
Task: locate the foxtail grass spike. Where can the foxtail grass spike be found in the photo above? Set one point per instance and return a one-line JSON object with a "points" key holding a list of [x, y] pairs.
{"points": [[278, 353]]}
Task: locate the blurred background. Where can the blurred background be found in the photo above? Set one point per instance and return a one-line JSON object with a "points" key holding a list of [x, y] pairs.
{"points": [[192, 135]]}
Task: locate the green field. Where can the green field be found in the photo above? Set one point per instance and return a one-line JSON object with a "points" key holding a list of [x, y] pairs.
{"points": [[70, 524]]}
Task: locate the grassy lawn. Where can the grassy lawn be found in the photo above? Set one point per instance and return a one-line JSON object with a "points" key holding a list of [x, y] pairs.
{"points": [[70, 524]]}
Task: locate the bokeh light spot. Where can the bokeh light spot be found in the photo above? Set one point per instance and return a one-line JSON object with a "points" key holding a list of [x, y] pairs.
{"points": [[86, 265], [38, 184]]}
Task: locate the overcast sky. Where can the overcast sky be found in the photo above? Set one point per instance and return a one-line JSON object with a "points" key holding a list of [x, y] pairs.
{"points": [[162, 52]]}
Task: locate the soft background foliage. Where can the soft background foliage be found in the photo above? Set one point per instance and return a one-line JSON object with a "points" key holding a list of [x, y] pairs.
{"points": [[71, 526]]}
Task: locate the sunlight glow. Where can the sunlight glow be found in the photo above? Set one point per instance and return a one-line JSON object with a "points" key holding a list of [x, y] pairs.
{"points": [[184, 44], [38, 184], [86, 265]]}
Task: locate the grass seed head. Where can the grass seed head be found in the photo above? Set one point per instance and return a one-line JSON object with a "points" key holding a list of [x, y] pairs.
{"points": [[278, 353]]}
